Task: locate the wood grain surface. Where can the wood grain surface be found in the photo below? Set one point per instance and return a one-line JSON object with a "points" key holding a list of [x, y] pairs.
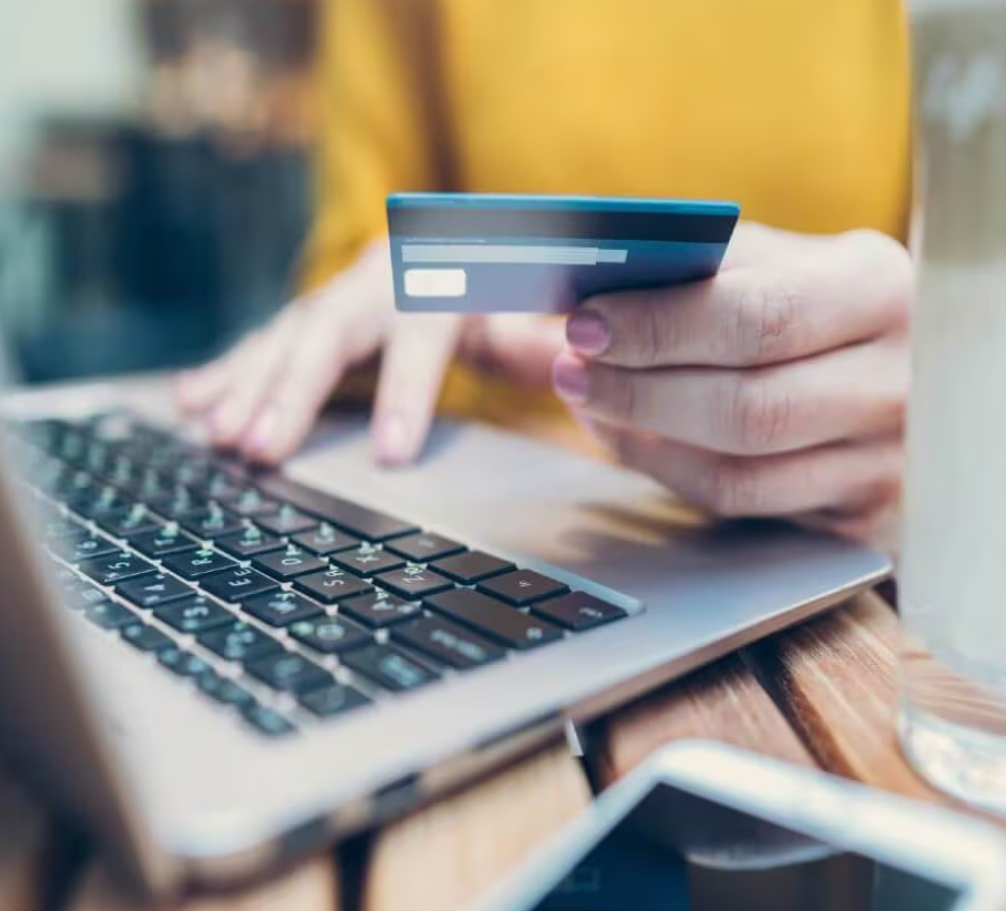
{"points": [[311, 887], [723, 702], [442, 857], [835, 679]]}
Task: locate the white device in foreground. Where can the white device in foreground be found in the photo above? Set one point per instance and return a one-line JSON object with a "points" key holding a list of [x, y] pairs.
{"points": [[705, 826]]}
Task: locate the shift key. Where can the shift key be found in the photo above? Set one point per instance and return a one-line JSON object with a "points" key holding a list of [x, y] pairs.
{"points": [[494, 619]]}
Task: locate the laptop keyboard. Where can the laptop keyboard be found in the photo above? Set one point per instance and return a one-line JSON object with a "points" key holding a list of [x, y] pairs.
{"points": [[287, 605]]}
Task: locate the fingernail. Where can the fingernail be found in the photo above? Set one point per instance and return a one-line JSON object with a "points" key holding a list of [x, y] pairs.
{"points": [[571, 381], [392, 440], [263, 433], [588, 332]]}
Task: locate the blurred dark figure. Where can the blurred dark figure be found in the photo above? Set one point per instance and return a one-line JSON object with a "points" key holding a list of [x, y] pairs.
{"points": [[152, 241]]}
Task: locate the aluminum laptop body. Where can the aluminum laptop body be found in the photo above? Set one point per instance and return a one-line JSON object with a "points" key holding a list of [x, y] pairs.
{"points": [[181, 792]]}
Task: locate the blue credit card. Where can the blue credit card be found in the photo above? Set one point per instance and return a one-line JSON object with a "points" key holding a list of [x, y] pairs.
{"points": [[488, 253]]}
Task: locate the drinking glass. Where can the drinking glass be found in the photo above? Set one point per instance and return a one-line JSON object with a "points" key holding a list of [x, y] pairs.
{"points": [[953, 572]]}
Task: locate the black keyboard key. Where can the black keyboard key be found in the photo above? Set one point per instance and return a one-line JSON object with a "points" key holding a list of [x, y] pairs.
{"points": [[389, 668], [472, 567], [194, 564], [73, 485], [99, 502], [224, 690], [289, 673], [248, 543], [240, 642], [47, 473], [148, 485], [61, 576], [234, 585], [331, 586], [379, 609], [195, 616], [116, 568], [167, 540], [109, 615], [288, 563], [42, 433], [578, 611], [222, 485], [333, 700], [120, 471], [83, 546], [211, 523], [182, 663], [150, 592], [281, 608], [447, 642], [523, 587], [288, 521], [252, 503], [367, 560], [330, 635], [176, 503], [425, 547], [72, 446], [494, 619], [357, 520], [192, 472], [81, 596], [129, 522], [325, 540], [145, 638], [413, 583], [266, 721]]}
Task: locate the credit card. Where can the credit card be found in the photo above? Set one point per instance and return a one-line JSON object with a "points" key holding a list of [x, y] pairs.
{"points": [[488, 253]]}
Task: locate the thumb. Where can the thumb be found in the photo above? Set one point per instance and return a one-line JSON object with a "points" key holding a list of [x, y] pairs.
{"points": [[415, 360]]}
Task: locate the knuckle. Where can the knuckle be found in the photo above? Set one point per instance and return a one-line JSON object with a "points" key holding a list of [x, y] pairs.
{"points": [[768, 322], [758, 414], [621, 395], [732, 489], [639, 331]]}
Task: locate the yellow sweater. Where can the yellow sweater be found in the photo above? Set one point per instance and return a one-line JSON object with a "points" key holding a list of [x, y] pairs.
{"points": [[797, 109]]}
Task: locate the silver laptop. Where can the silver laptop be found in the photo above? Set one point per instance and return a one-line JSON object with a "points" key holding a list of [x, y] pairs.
{"points": [[218, 671]]}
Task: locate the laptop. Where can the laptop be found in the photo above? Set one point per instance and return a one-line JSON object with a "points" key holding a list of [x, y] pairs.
{"points": [[217, 671]]}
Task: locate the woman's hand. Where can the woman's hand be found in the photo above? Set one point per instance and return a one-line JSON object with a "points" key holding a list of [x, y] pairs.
{"points": [[776, 389], [263, 397]]}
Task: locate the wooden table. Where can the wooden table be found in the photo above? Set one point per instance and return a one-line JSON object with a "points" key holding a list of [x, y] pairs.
{"points": [[821, 695]]}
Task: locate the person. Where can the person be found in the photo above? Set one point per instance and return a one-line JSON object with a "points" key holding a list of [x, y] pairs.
{"points": [[776, 389]]}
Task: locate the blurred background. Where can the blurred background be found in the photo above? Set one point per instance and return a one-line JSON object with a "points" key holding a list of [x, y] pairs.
{"points": [[131, 126]]}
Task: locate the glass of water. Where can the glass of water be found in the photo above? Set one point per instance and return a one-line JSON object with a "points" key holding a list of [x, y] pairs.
{"points": [[953, 573]]}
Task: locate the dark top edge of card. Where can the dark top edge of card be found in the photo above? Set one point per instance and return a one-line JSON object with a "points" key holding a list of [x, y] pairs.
{"points": [[540, 202], [435, 222]]}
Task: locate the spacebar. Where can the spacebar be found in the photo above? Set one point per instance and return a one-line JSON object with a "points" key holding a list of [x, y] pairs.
{"points": [[357, 520]]}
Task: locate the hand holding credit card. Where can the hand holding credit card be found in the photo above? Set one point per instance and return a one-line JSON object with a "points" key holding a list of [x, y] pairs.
{"points": [[487, 253]]}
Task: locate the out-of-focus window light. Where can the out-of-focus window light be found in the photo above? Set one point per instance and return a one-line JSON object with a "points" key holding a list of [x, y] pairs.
{"points": [[154, 175]]}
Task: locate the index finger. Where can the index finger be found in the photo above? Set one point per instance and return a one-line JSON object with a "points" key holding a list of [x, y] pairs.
{"points": [[850, 290]]}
